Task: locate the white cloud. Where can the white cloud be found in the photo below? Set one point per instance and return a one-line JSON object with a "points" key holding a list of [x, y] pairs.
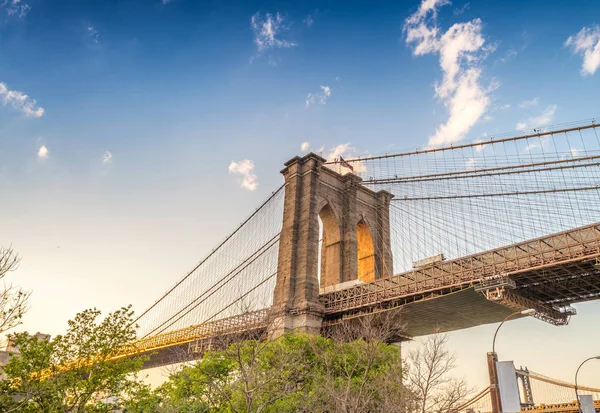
{"points": [[537, 144], [309, 21], [587, 44], [346, 151], [310, 99], [305, 146], [16, 8], [425, 7], [320, 98], [42, 152], [92, 32], [107, 157], [542, 119], [244, 168], [266, 29], [478, 148], [529, 103], [460, 48], [20, 101]]}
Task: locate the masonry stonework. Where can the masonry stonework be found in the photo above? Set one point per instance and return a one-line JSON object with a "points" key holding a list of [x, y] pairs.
{"points": [[355, 240]]}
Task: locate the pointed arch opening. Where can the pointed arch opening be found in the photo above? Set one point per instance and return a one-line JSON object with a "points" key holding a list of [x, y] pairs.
{"points": [[330, 251], [366, 252]]}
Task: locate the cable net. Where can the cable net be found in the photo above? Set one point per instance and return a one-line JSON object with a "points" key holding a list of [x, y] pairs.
{"points": [[236, 277], [466, 199]]}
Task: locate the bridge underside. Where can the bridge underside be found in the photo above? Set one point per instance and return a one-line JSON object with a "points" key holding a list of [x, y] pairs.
{"points": [[454, 311]]}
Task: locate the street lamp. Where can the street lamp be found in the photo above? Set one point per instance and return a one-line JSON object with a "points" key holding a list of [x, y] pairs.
{"points": [[576, 373], [529, 311], [492, 358]]}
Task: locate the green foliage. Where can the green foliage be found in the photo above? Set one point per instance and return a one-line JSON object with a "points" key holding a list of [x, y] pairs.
{"points": [[77, 372], [73, 372], [295, 373]]}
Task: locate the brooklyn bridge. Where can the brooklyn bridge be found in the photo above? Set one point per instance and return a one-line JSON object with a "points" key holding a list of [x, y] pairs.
{"points": [[449, 238]]}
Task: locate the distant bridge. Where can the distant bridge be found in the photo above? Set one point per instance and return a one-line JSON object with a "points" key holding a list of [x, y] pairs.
{"points": [[538, 394]]}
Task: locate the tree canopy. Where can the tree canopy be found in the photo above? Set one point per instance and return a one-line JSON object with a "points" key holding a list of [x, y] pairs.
{"points": [[74, 372], [295, 373]]}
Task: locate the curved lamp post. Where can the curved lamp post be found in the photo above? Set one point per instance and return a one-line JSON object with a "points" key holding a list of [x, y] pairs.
{"points": [[529, 311], [576, 373], [493, 358]]}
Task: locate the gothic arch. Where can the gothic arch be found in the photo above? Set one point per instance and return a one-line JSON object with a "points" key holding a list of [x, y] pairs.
{"points": [[331, 252], [365, 252]]}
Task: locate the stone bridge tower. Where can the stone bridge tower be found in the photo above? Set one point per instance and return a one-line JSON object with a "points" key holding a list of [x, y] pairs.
{"points": [[355, 230]]}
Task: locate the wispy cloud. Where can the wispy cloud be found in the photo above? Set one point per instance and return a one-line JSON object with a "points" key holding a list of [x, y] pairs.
{"points": [[107, 158], [526, 104], [542, 119], [245, 170], [16, 8], [540, 143], [309, 21], [461, 10], [305, 146], [461, 49], [20, 101], [478, 148], [42, 152], [318, 98], [267, 29], [587, 44], [92, 33], [470, 163]]}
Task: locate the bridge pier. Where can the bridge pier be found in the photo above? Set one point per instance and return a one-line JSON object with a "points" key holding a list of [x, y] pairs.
{"points": [[355, 233]]}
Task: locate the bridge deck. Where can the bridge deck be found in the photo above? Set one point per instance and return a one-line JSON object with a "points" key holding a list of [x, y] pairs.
{"points": [[557, 269]]}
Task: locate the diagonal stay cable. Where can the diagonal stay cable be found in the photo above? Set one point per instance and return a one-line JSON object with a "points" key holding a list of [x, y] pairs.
{"points": [[261, 251], [242, 296]]}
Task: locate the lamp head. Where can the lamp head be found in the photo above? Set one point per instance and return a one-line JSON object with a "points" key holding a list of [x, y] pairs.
{"points": [[529, 311]]}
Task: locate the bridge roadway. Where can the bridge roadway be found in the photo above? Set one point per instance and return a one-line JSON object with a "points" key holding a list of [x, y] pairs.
{"points": [[546, 273]]}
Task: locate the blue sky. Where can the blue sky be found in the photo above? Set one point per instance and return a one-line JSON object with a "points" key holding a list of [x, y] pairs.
{"points": [[150, 128]]}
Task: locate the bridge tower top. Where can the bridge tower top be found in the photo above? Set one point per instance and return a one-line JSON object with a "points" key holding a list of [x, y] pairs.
{"points": [[334, 219]]}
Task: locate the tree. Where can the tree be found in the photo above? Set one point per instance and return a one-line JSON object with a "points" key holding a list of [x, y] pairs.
{"points": [[249, 376], [74, 372], [360, 371], [429, 368], [13, 300]]}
